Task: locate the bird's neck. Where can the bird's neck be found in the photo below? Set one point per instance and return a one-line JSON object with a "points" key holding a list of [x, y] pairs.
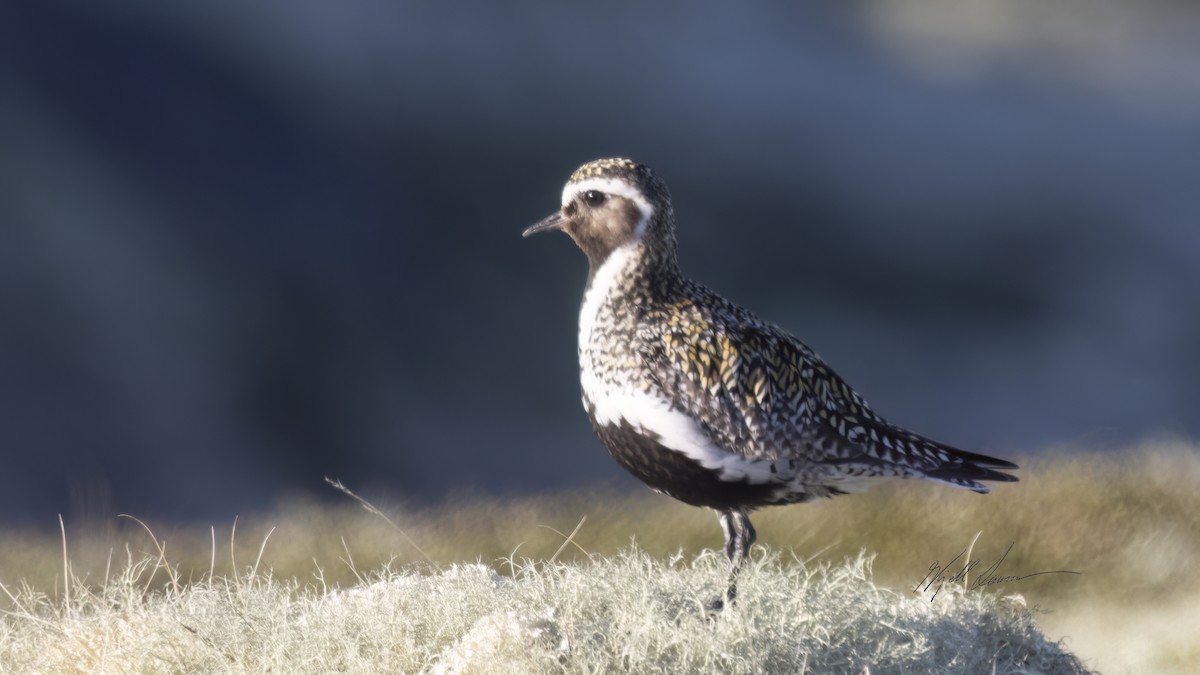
{"points": [[648, 269]]}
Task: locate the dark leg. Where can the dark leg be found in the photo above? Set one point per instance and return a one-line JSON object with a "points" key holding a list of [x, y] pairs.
{"points": [[727, 527], [739, 537]]}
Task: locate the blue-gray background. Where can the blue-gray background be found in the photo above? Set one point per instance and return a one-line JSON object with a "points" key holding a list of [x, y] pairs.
{"points": [[244, 245]]}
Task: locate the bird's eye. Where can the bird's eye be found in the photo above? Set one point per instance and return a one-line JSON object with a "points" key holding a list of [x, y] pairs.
{"points": [[594, 197]]}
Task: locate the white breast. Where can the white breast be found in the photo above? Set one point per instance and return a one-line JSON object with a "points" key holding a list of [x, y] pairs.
{"points": [[604, 283]]}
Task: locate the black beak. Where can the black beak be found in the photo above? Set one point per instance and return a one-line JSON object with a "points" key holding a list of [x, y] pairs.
{"points": [[552, 222]]}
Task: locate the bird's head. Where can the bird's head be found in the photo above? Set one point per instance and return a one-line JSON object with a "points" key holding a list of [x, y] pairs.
{"points": [[610, 203]]}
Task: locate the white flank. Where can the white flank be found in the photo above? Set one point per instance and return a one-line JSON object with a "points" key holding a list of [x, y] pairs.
{"points": [[613, 187], [678, 431], [645, 412]]}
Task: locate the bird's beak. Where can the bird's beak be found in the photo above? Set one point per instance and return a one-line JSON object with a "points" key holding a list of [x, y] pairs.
{"points": [[552, 222]]}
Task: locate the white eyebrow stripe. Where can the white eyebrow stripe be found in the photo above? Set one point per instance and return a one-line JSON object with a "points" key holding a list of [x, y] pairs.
{"points": [[613, 187]]}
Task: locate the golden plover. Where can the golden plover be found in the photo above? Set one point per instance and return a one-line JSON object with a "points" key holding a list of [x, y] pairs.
{"points": [[700, 399]]}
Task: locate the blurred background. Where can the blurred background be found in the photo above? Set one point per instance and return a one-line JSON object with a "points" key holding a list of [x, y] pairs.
{"points": [[247, 245]]}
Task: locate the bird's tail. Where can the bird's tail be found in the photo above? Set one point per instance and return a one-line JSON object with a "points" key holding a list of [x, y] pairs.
{"points": [[967, 469]]}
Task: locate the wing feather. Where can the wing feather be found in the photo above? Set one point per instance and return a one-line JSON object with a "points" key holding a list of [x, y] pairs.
{"points": [[761, 393]]}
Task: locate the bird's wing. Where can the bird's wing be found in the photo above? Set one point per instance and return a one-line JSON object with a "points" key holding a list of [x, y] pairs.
{"points": [[761, 393], [745, 383]]}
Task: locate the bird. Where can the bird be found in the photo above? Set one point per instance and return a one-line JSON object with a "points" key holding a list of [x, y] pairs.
{"points": [[703, 401]]}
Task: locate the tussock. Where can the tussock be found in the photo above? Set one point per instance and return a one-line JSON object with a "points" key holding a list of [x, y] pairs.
{"points": [[1128, 522], [624, 613]]}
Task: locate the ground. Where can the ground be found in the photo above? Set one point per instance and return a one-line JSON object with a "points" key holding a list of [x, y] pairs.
{"points": [[601, 581]]}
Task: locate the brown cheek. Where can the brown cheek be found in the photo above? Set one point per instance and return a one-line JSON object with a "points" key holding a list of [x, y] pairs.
{"points": [[591, 242], [632, 215]]}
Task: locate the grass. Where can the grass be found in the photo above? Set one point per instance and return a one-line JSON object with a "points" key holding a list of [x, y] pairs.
{"points": [[360, 596], [625, 613]]}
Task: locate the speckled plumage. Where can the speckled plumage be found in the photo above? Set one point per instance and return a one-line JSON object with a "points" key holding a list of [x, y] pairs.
{"points": [[699, 398]]}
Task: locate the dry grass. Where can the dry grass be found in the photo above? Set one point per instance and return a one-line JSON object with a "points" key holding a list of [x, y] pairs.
{"points": [[624, 613], [1130, 523]]}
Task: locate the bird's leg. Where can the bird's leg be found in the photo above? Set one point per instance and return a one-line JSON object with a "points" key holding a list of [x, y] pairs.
{"points": [[727, 527], [743, 539], [739, 537]]}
